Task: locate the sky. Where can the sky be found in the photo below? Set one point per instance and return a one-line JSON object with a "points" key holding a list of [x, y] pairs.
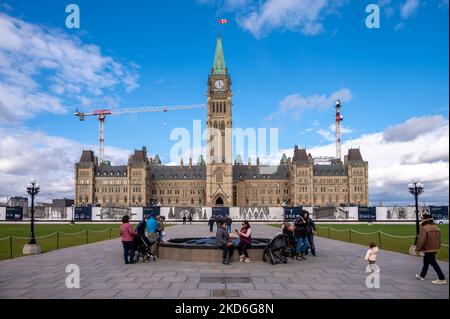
{"points": [[288, 60]]}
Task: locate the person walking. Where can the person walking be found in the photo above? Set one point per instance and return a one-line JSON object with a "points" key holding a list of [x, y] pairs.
{"points": [[372, 255], [190, 219], [211, 222], [310, 231], [429, 243], [152, 233], [245, 241], [223, 239], [127, 233], [301, 238], [184, 219]]}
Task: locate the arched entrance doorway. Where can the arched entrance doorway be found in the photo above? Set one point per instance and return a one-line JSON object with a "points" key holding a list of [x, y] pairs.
{"points": [[219, 201]]}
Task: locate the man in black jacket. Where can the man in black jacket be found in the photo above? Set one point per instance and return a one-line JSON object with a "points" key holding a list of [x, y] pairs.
{"points": [[301, 238], [310, 230], [211, 223], [224, 241]]}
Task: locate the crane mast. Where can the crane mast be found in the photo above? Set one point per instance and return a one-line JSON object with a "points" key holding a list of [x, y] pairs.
{"points": [[339, 119]]}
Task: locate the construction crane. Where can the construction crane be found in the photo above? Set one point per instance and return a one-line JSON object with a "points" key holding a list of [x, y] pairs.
{"points": [[102, 113], [339, 119]]}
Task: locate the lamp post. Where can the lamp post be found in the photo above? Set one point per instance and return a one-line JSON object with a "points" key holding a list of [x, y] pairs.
{"points": [[416, 188], [32, 248]]}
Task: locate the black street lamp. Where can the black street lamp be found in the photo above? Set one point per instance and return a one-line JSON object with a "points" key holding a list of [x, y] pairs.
{"points": [[33, 190], [416, 188]]}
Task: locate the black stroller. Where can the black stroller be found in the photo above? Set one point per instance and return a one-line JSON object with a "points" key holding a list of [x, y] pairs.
{"points": [[143, 244], [278, 250]]}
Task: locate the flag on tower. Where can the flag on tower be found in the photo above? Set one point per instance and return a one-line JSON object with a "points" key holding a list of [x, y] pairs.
{"points": [[223, 21]]}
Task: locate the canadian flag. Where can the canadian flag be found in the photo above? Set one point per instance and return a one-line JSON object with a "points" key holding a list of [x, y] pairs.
{"points": [[223, 21]]}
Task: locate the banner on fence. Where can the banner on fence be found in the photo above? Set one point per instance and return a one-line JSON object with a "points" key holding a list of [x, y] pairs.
{"points": [[151, 211], [220, 211], [177, 213], [439, 212], [336, 213], [399, 212], [82, 213], [256, 213], [291, 213], [14, 213], [367, 213]]}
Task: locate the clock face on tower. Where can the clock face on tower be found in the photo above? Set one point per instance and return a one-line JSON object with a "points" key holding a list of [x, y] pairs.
{"points": [[219, 84]]}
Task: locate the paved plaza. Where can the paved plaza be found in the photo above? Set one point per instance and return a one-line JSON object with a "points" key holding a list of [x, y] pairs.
{"points": [[338, 271]]}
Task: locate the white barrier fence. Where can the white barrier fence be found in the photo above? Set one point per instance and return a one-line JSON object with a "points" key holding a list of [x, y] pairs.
{"points": [[265, 214]]}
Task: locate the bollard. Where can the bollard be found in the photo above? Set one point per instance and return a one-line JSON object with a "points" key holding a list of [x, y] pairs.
{"points": [[379, 238], [57, 240], [87, 236], [329, 236], [10, 247], [110, 235], [350, 235]]}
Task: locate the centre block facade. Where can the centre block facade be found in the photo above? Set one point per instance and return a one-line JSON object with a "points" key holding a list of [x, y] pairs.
{"points": [[217, 181]]}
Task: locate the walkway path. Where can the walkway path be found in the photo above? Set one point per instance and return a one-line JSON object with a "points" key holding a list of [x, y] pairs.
{"points": [[337, 272]]}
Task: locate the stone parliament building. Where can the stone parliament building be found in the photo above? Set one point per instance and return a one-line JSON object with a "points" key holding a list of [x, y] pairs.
{"points": [[296, 181]]}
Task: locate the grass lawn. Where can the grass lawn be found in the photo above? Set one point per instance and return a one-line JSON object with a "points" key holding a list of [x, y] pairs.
{"points": [[398, 237], [67, 236]]}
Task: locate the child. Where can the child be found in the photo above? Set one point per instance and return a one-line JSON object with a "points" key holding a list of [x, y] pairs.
{"points": [[372, 254]]}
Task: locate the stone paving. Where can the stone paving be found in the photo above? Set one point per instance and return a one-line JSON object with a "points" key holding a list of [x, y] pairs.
{"points": [[338, 271]]}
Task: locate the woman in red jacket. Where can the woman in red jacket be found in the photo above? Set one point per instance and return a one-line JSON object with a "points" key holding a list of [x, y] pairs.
{"points": [[127, 233], [245, 241]]}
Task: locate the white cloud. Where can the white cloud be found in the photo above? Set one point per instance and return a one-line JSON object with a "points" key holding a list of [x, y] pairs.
{"points": [[261, 17], [26, 154], [329, 134], [413, 128], [393, 164], [294, 104], [409, 8], [45, 70]]}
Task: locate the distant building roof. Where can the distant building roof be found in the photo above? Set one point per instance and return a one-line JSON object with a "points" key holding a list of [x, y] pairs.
{"points": [[354, 155], [139, 156], [87, 156], [260, 172], [163, 172], [300, 155], [105, 170], [334, 169]]}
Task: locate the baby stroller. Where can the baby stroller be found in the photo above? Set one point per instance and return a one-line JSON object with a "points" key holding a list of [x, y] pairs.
{"points": [[143, 244], [277, 250]]}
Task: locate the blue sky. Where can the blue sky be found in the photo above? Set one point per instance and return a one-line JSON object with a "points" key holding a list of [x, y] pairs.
{"points": [[286, 58]]}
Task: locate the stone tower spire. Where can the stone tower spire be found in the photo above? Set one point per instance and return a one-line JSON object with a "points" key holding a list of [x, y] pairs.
{"points": [[219, 67]]}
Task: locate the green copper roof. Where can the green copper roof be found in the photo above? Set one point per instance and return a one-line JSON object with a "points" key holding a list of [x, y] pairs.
{"points": [[157, 160], [238, 160], [201, 160], [284, 158], [219, 60]]}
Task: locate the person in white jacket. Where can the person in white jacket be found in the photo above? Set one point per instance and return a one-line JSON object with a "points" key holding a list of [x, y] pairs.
{"points": [[372, 254]]}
